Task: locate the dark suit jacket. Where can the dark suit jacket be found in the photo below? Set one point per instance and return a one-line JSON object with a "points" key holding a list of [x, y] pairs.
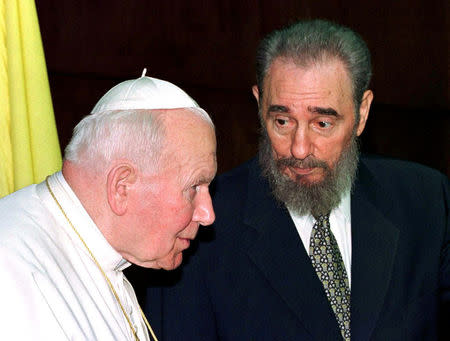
{"points": [[254, 281]]}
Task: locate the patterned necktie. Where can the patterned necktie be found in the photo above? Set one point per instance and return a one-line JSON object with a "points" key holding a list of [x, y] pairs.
{"points": [[327, 261]]}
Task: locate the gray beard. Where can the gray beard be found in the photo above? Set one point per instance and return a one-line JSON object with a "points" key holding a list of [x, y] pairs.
{"points": [[302, 198]]}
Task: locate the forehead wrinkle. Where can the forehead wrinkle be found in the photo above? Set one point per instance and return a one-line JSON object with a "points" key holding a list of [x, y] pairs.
{"points": [[299, 93], [291, 93], [291, 89], [294, 99]]}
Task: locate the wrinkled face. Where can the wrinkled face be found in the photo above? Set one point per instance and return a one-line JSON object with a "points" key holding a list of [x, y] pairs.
{"points": [[309, 117], [170, 205]]}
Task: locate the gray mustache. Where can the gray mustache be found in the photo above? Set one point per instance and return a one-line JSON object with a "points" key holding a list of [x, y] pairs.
{"points": [[308, 162]]}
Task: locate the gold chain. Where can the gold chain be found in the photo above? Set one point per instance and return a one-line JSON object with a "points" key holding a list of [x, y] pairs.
{"points": [[103, 272]]}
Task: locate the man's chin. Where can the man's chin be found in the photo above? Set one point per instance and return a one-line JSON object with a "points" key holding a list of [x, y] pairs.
{"points": [[174, 263]]}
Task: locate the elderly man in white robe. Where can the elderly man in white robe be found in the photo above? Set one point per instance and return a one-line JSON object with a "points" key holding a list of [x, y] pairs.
{"points": [[133, 189]]}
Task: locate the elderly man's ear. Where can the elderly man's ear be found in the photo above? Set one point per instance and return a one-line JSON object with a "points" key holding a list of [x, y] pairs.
{"points": [[119, 181]]}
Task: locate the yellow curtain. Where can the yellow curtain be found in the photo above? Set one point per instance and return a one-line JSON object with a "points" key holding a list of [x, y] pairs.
{"points": [[29, 147]]}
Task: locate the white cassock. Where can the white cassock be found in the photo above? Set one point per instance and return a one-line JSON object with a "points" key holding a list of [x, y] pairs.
{"points": [[50, 288]]}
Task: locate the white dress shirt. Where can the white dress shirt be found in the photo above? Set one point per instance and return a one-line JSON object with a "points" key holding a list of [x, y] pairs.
{"points": [[340, 224], [50, 288]]}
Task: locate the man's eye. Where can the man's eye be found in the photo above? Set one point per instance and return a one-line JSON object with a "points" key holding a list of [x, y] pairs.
{"points": [[192, 191], [323, 124], [281, 121]]}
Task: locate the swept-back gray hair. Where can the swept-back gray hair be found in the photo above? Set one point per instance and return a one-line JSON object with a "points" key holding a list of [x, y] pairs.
{"points": [[136, 135], [314, 41]]}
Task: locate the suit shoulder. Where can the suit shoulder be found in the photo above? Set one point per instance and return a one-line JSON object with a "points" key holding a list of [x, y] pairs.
{"points": [[406, 178], [234, 182], [400, 169], [240, 172]]}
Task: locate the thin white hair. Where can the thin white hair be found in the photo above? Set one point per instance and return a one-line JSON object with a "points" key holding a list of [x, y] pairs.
{"points": [[136, 135]]}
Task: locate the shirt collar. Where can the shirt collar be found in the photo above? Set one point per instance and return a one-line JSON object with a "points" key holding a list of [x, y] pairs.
{"points": [[342, 212], [108, 258]]}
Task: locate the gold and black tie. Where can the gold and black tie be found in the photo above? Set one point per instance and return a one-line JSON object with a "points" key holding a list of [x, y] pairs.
{"points": [[327, 261]]}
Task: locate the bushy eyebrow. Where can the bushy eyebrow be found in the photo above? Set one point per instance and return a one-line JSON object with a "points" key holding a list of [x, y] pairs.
{"points": [[277, 108], [203, 181], [323, 111]]}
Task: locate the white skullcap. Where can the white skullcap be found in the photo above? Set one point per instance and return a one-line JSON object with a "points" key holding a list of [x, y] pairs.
{"points": [[144, 93]]}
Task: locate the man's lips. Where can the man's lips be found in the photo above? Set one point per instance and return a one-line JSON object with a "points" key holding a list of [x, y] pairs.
{"points": [[301, 171], [185, 242]]}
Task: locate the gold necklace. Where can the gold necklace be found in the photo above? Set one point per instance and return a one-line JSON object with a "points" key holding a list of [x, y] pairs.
{"points": [[103, 272]]}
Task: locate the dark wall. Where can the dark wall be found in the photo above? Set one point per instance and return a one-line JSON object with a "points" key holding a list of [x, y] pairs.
{"points": [[208, 48]]}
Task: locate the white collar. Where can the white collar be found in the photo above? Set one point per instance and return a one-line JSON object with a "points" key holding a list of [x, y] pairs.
{"points": [[342, 212]]}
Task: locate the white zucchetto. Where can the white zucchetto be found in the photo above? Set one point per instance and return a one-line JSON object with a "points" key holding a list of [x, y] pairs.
{"points": [[144, 93]]}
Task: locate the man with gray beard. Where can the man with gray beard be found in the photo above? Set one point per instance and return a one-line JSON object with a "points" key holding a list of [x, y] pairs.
{"points": [[312, 241]]}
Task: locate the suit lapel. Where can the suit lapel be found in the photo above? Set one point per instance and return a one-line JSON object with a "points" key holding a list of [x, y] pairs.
{"points": [[374, 243], [276, 249]]}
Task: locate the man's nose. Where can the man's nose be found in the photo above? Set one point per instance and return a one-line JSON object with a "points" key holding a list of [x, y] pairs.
{"points": [[301, 144], [204, 211]]}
